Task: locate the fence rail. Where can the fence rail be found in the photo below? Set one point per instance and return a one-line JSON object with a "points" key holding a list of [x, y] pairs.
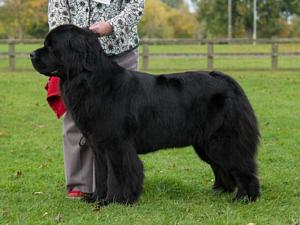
{"points": [[210, 54]]}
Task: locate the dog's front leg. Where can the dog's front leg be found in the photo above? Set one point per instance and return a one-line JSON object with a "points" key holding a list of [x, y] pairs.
{"points": [[125, 174], [100, 178]]}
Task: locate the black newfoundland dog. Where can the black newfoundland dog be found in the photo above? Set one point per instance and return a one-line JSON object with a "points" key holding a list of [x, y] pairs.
{"points": [[124, 113]]}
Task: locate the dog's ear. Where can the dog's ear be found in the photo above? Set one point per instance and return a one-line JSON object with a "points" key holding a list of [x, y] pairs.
{"points": [[93, 49], [85, 48]]}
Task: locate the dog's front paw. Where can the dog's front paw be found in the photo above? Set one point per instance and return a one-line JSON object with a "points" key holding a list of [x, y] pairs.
{"points": [[222, 188], [90, 198], [102, 203], [93, 197]]}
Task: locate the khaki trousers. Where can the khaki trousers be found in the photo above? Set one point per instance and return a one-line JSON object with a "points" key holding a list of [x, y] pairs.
{"points": [[79, 161]]}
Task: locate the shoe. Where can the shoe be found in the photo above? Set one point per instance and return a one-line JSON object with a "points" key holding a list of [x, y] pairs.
{"points": [[75, 194]]}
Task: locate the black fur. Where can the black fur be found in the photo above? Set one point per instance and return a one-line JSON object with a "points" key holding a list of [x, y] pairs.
{"points": [[124, 113]]}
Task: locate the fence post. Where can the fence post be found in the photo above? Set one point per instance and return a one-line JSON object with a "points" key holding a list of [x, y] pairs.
{"points": [[12, 54], [210, 55], [274, 55], [145, 55]]}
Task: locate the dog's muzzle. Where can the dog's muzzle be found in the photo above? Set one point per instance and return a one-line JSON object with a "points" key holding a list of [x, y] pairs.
{"points": [[33, 55]]}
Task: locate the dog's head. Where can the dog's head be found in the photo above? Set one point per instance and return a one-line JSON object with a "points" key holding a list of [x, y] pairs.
{"points": [[68, 50]]}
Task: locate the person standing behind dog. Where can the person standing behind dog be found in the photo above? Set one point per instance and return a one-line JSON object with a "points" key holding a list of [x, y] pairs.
{"points": [[115, 21]]}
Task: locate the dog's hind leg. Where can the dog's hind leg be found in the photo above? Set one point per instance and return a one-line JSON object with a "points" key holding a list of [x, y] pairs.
{"points": [[229, 153], [223, 181], [125, 174], [248, 185]]}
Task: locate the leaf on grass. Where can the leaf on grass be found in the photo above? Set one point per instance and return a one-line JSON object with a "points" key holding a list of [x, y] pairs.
{"points": [[42, 166], [2, 134], [39, 125], [17, 174], [58, 218], [96, 209]]}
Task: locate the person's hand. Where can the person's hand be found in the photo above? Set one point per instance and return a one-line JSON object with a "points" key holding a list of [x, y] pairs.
{"points": [[101, 28]]}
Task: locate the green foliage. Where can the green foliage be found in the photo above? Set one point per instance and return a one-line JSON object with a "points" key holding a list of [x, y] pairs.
{"points": [[38, 25], [295, 30], [272, 17], [154, 23], [2, 31], [37, 30], [20, 17], [173, 3], [213, 13], [29, 18], [185, 24], [162, 21]]}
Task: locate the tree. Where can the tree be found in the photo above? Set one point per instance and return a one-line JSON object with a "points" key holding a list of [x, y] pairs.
{"points": [[173, 3], [185, 24], [272, 17], [295, 28], [162, 21], [20, 15], [154, 22], [2, 31], [213, 14], [38, 25], [179, 3]]}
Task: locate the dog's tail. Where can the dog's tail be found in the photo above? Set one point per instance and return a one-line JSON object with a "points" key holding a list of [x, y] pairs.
{"points": [[239, 117]]}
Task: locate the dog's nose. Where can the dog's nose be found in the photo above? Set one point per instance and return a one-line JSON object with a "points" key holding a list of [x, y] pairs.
{"points": [[33, 55]]}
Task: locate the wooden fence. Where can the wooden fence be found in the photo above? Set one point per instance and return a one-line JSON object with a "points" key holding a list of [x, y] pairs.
{"points": [[210, 54]]}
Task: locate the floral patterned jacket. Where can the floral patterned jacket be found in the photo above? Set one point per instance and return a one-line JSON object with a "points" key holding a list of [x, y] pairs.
{"points": [[123, 15]]}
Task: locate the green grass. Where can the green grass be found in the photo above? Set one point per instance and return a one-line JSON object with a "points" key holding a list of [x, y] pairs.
{"points": [[177, 183]]}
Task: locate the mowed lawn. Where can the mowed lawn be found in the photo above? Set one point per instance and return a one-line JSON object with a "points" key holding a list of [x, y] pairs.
{"points": [[177, 184]]}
